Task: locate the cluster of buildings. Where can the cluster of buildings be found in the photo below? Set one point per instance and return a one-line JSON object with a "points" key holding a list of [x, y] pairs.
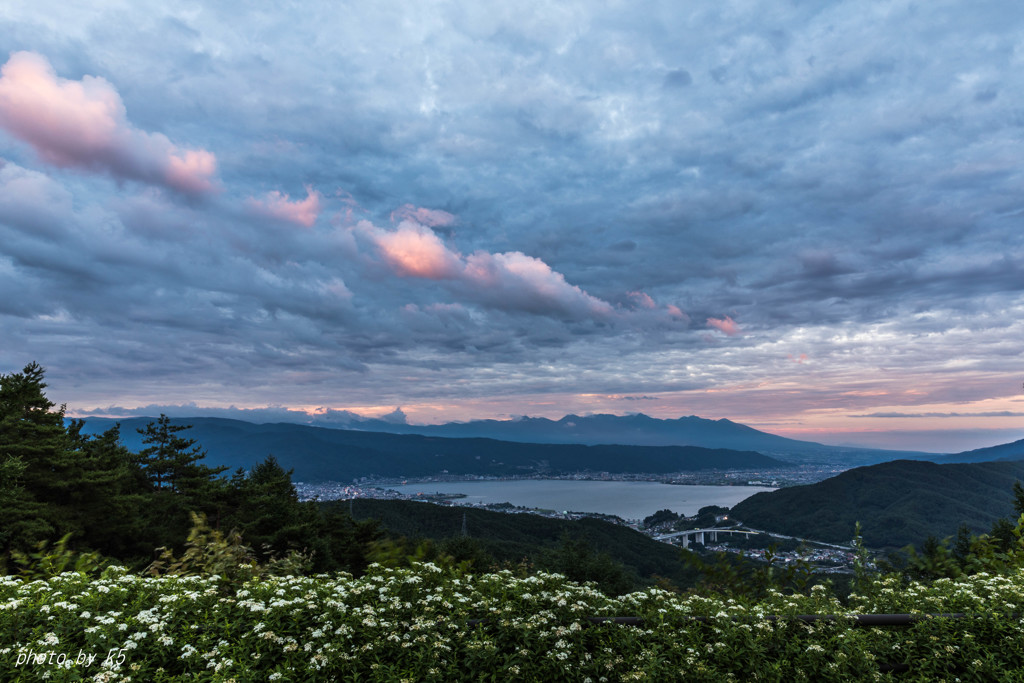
{"points": [[821, 560], [333, 490]]}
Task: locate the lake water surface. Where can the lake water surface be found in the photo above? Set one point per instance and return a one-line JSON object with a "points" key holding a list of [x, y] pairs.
{"points": [[627, 499]]}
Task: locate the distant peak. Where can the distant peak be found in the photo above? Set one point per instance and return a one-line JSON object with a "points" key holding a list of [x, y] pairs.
{"points": [[397, 417]]}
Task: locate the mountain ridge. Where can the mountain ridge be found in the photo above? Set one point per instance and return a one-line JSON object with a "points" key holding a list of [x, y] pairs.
{"points": [[635, 429], [897, 503], [1007, 451], [643, 430], [327, 454]]}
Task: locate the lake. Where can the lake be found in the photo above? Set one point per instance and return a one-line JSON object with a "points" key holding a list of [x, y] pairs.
{"points": [[627, 499]]}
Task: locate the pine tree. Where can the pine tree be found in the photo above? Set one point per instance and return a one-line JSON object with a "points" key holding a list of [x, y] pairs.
{"points": [[16, 506], [31, 431], [109, 493], [53, 479], [34, 458], [270, 515], [171, 462]]}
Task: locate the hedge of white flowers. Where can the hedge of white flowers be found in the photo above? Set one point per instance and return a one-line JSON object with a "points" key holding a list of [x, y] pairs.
{"points": [[416, 625]]}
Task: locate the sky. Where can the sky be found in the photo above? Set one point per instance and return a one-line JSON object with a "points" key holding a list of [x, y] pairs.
{"points": [[802, 216]]}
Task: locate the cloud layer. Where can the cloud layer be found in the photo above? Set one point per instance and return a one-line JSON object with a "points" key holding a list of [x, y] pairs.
{"points": [[83, 124], [785, 215], [509, 281]]}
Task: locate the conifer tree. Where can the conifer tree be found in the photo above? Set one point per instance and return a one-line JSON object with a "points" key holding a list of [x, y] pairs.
{"points": [[53, 479], [33, 458], [172, 462], [270, 515], [177, 482], [31, 431], [109, 493]]}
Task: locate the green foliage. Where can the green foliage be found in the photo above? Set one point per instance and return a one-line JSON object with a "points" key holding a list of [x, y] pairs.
{"points": [[898, 502], [267, 511], [106, 501], [13, 497], [936, 560], [33, 449], [53, 480], [660, 517], [56, 481], [740, 578], [45, 562], [459, 554], [29, 429], [208, 552], [402, 552], [863, 576], [1018, 498], [998, 552], [577, 560]]}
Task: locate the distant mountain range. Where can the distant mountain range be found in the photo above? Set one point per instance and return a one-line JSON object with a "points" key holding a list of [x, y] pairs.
{"points": [[1006, 451], [527, 445], [897, 503], [642, 430], [323, 454]]}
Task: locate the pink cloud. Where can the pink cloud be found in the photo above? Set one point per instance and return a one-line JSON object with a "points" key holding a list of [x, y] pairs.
{"points": [[279, 205], [507, 281], [192, 172], [414, 250], [514, 280], [642, 300], [726, 325], [677, 313], [83, 124], [431, 218]]}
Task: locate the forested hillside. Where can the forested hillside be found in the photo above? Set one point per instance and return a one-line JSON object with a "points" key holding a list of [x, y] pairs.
{"points": [[585, 549], [897, 503], [1005, 451]]}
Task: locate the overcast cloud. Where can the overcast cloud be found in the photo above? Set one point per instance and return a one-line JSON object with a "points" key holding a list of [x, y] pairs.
{"points": [[801, 216]]}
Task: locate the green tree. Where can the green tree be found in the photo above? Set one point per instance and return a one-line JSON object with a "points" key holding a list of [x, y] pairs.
{"points": [[55, 481], [32, 432], [172, 462], [269, 513], [575, 559], [109, 493], [14, 501], [1018, 498], [350, 542], [34, 458], [177, 483]]}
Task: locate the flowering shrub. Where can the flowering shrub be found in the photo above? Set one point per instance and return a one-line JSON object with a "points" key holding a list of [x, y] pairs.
{"points": [[421, 624]]}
